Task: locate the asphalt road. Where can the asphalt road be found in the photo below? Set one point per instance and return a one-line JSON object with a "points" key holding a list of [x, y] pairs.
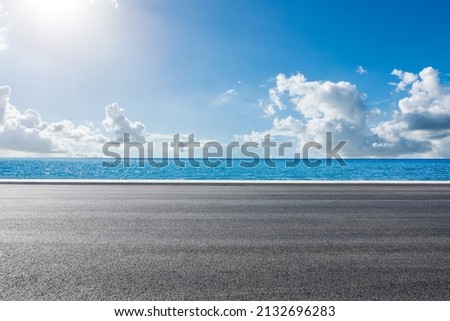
{"points": [[225, 242]]}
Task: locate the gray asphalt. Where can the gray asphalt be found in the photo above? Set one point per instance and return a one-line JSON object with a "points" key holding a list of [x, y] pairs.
{"points": [[225, 242]]}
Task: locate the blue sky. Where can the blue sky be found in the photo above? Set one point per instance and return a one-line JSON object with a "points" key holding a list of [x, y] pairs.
{"points": [[77, 73]]}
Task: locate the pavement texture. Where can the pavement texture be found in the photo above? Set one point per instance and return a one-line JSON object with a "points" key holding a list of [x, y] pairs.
{"points": [[225, 242]]}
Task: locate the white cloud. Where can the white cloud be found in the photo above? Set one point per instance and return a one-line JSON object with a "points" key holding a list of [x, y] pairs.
{"points": [[300, 109], [422, 122], [321, 106], [22, 132], [27, 132], [360, 70], [275, 103], [406, 78], [118, 123], [269, 110], [419, 127], [288, 123], [426, 94]]}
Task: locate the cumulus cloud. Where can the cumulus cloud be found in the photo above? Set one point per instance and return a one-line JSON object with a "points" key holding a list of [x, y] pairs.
{"points": [[27, 132], [418, 127], [360, 70], [282, 127], [275, 103], [22, 132], [116, 122], [422, 121], [299, 108], [317, 107], [406, 78]]}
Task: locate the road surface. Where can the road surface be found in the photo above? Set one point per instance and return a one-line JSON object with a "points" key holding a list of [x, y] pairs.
{"points": [[225, 242]]}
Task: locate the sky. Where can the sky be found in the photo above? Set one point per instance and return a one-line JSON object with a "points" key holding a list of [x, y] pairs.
{"points": [[75, 74]]}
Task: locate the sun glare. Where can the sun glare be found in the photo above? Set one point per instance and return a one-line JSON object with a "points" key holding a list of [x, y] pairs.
{"points": [[54, 12], [59, 24]]}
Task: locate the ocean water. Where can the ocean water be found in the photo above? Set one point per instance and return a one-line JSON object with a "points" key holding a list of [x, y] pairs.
{"points": [[356, 169]]}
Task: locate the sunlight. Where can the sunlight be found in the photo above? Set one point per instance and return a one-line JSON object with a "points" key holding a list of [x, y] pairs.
{"points": [[54, 12], [56, 26]]}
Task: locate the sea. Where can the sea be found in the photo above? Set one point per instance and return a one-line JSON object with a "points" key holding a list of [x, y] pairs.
{"points": [[223, 169]]}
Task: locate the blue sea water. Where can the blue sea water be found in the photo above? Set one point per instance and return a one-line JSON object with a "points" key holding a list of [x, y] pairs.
{"points": [[356, 169]]}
